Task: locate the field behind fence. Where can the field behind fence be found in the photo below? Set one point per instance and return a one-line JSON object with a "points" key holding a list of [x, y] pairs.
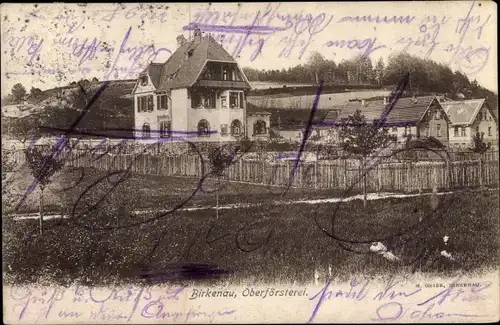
{"points": [[342, 174]]}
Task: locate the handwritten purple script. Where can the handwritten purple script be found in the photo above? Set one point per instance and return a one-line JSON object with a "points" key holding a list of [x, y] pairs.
{"points": [[468, 59], [111, 304], [398, 301], [123, 60], [244, 31]]}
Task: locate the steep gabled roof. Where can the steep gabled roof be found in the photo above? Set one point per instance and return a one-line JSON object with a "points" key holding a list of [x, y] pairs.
{"points": [[406, 110], [333, 114], [184, 66], [463, 112], [371, 110], [154, 71]]}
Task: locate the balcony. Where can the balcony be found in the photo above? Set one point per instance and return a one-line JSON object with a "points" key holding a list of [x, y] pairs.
{"points": [[223, 84]]}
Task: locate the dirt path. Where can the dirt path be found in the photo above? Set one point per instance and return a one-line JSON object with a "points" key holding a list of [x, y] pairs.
{"points": [[370, 197]]}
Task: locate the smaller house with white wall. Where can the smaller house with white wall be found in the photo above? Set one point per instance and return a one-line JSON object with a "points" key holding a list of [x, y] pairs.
{"points": [[421, 117], [467, 118]]}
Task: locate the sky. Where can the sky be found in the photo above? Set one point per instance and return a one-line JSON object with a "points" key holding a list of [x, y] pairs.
{"points": [[50, 45]]}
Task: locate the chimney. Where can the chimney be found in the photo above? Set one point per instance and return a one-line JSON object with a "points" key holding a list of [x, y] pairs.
{"points": [[363, 102], [181, 40], [197, 34]]}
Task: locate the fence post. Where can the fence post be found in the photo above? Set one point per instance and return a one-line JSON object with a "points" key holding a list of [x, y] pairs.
{"points": [[316, 174], [480, 172], [345, 174]]}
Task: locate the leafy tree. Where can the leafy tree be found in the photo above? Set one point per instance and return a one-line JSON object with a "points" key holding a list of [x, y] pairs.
{"points": [[24, 128], [42, 165], [480, 147], [35, 93], [361, 139], [220, 158], [8, 100], [18, 92], [7, 167], [379, 71]]}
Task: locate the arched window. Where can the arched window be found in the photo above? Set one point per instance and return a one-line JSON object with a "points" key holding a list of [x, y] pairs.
{"points": [[203, 128], [146, 131], [236, 127], [259, 127]]}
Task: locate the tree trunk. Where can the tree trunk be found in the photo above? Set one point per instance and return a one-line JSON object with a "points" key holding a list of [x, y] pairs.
{"points": [[41, 211], [217, 199], [364, 183]]}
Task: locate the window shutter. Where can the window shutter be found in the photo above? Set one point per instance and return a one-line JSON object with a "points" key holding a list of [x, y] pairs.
{"points": [[241, 100]]}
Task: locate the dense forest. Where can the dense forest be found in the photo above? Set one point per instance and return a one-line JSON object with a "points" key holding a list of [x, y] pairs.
{"points": [[426, 76]]}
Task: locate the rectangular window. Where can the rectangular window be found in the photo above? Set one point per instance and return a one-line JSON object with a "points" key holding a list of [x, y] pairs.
{"points": [[210, 100], [455, 132], [438, 127], [241, 99], [489, 131], [196, 100], [394, 129], [480, 116], [437, 116], [142, 103], [144, 80], [223, 101], [427, 132], [407, 131], [233, 100], [150, 102], [477, 129], [464, 133], [223, 129], [162, 102]]}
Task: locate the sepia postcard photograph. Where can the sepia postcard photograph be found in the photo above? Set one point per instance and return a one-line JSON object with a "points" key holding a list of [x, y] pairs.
{"points": [[251, 162]]}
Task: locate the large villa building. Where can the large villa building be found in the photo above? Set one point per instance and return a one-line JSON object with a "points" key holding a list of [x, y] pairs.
{"points": [[198, 94]]}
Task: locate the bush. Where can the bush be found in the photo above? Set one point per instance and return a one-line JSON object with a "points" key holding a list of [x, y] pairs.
{"points": [[88, 247]]}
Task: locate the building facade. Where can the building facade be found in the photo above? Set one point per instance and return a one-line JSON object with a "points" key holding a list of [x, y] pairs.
{"points": [[419, 117], [258, 124], [198, 94], [467, 118]]}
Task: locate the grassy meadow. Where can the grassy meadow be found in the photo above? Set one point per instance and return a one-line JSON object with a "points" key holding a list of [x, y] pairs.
{"points": [[104, 241]]}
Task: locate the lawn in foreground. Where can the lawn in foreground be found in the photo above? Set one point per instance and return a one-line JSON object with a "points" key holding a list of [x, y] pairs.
{"points": [[153, 191], [259, 244]]}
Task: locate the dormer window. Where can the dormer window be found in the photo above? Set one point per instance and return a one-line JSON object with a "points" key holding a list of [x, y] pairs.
{"points": [[144, 80]]}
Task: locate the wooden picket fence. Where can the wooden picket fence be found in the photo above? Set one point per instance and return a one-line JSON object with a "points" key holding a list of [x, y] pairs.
{"points": [[394, 176], [381, 174]]}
